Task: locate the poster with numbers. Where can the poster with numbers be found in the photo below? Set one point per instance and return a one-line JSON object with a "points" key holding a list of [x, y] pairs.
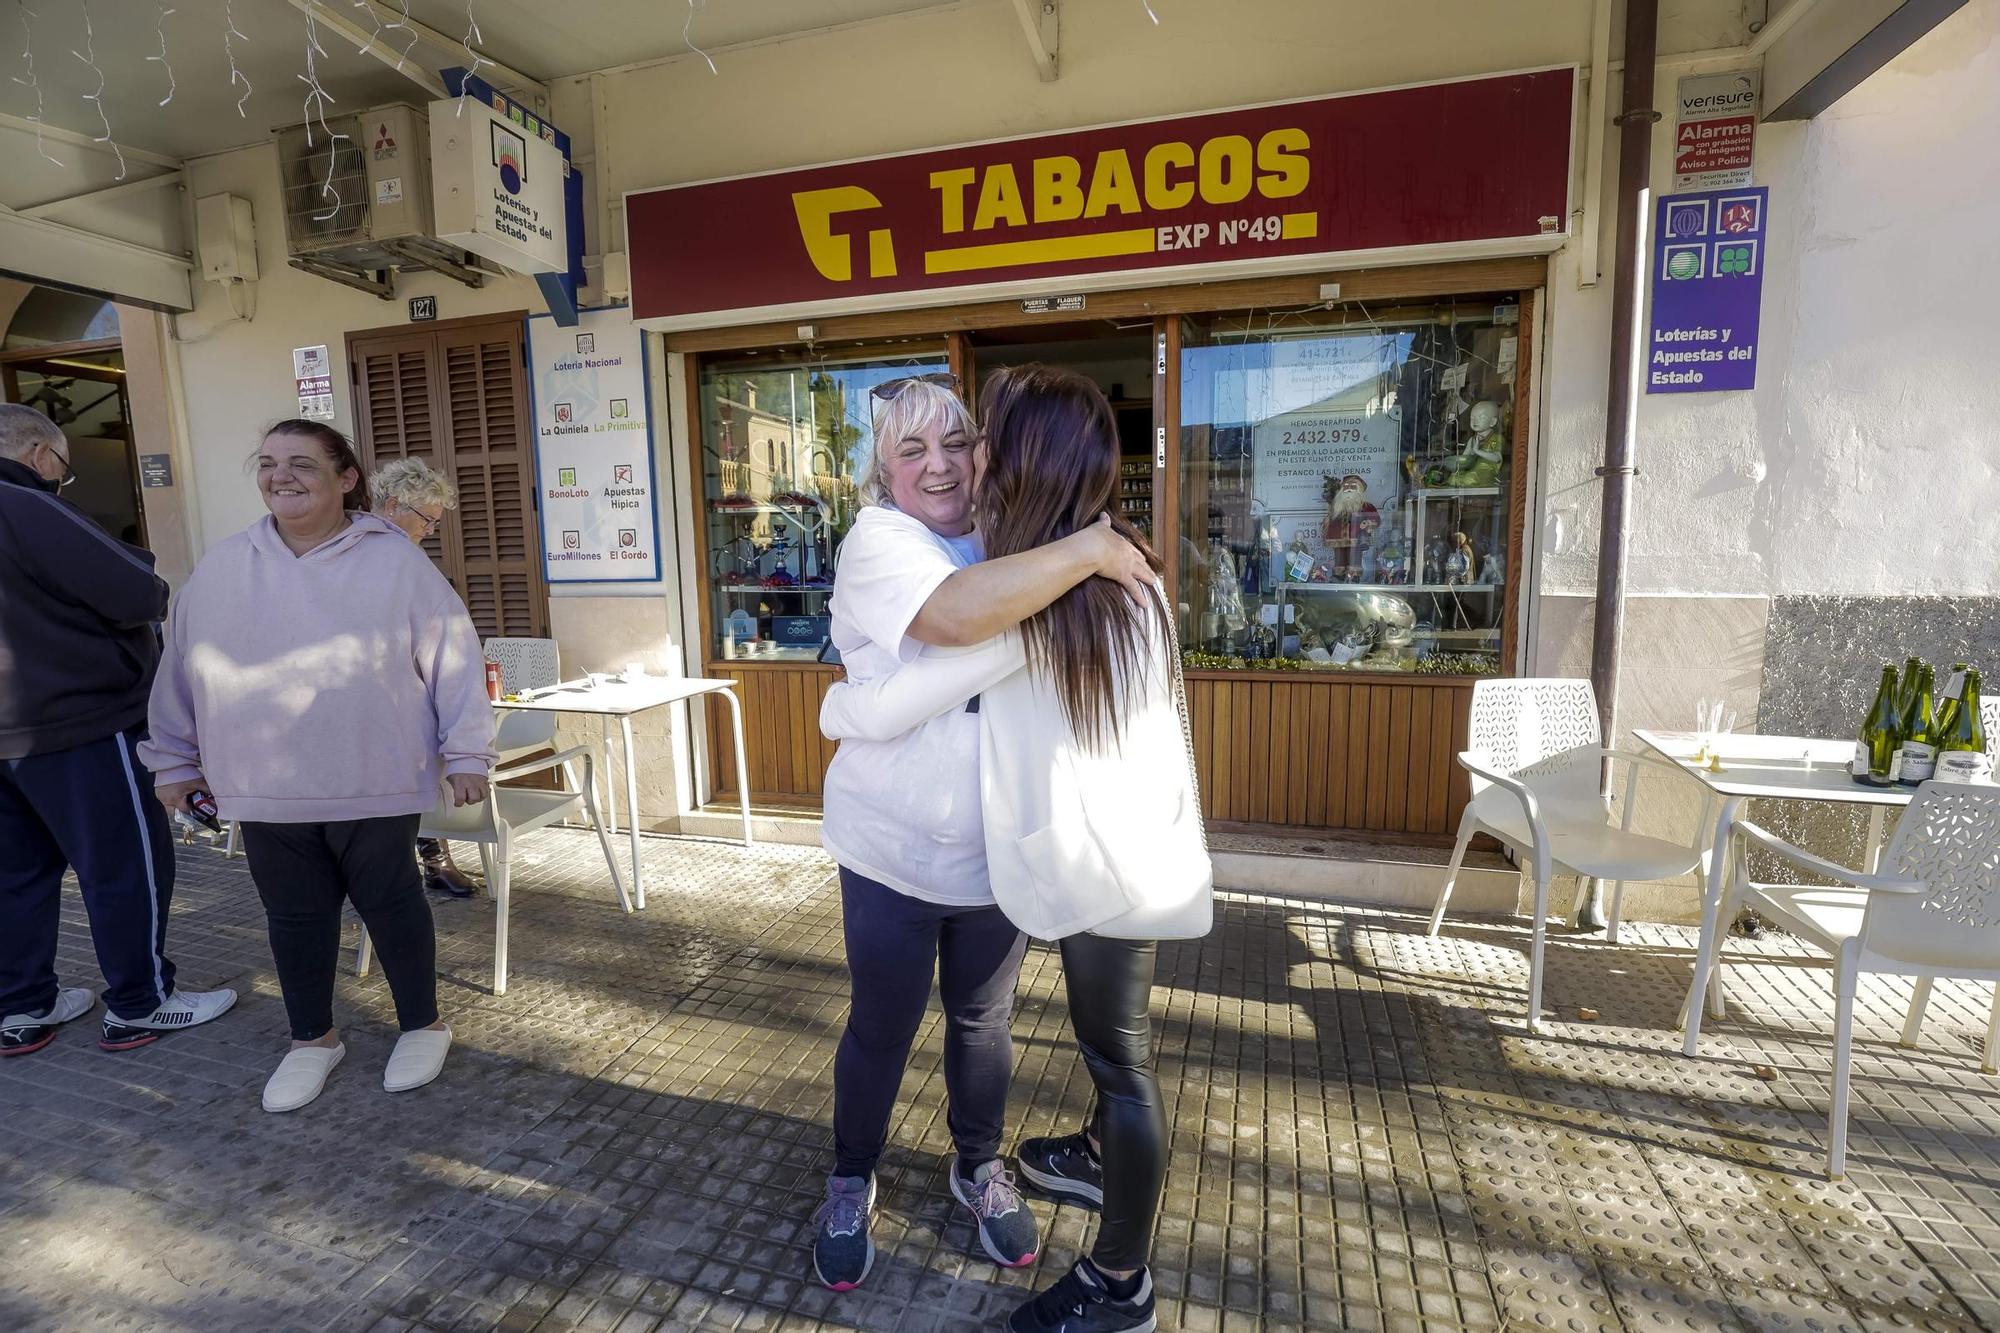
{"points": [[594, 449]]}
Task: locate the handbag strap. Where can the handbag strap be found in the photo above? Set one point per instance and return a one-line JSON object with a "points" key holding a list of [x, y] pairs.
{"points": [[1187, 728]]}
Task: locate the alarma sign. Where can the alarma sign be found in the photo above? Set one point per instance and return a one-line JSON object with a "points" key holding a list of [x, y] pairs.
{"points": [[1476, 160]]}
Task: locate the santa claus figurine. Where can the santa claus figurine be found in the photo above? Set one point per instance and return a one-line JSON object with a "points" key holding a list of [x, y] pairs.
{"points": [[1350, 522]]}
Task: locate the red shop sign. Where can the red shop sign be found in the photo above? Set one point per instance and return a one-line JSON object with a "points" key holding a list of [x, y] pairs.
{"points": [[1257, 189]]}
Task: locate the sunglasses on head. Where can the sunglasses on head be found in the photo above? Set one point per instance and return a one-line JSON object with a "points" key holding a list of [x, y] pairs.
{"points": [[887, 390]]}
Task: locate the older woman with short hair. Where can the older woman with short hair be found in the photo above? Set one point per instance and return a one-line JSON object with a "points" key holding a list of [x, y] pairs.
{"points": [[902, 821], [415, 497]]}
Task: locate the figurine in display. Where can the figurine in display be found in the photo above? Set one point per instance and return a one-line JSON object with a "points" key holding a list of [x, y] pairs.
{"points": [[1392, 553], [1479, 465], [1350, 520], [1492, 570], [1434, 554], [1461, 561]]}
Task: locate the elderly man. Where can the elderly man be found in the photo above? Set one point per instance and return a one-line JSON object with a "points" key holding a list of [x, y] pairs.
{"points": [[77, 652]]}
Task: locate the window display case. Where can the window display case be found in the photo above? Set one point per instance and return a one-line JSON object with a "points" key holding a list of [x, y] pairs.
{"points": [[1346, 485], [782, 445]]}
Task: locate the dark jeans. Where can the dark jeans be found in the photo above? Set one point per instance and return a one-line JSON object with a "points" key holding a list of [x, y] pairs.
{"points": [[90, 808], [1110, 985], [894, 945], [302, 873]]}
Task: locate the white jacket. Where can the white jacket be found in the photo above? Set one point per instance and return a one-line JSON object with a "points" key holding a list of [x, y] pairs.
{"points": [[1108, 841]]}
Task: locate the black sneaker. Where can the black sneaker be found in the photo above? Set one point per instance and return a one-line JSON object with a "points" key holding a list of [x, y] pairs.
{"points": [[842, 1251], [24, 1034], [1007, 1230], [1064, 1167], [1081, 1303]]}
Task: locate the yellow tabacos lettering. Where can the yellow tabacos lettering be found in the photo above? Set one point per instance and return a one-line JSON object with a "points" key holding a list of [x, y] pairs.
{"points": [[1220, 171]]}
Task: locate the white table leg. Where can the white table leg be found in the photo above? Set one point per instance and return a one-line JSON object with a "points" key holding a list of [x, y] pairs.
{"points": [[632, 812], [600, 775], [742, 773], [1871, 858], [1711, 924]]}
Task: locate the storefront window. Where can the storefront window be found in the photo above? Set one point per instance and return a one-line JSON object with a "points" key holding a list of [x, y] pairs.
{"points": [[1344, 490], [782, 444]]}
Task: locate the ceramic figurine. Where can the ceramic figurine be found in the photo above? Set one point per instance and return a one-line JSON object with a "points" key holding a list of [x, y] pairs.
{"points": [[1479, 465], [1493, 570], [1461, 562]]}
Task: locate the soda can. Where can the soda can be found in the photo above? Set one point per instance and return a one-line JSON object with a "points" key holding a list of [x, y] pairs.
{"points": [[493, 681]]}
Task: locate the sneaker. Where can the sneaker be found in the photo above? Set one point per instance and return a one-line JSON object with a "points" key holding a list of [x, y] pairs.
{"points": [[24, 1034], [1007, 1230], [183, 1009], [1064, 1167], [1081, 1303], [842, 1251]]}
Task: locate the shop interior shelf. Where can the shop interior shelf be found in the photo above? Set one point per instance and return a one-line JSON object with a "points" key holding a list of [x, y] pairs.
{"points": [[760, 507], [1453, 492], [1391, 587], [819, 589]]}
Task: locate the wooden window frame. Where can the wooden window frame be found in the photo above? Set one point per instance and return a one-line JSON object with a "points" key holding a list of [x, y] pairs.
{"points": [[450, 555]]}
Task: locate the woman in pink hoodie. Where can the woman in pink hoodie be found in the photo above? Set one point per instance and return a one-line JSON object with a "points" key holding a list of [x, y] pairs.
{"points": [[322, 680]]}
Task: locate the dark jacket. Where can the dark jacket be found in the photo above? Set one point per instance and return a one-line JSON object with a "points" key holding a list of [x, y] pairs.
{"points": [[78, 643]]}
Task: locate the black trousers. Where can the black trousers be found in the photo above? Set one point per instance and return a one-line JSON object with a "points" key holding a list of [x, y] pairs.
{"points": [[895, 945], [90, 808], [302, 873], [1110, 986]]}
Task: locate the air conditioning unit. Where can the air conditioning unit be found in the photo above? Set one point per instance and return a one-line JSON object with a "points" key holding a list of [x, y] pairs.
{"points": [[357, 193]]}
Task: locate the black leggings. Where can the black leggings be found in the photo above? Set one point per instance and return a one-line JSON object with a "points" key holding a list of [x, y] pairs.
{"points": [[302, 871], [1110, 985]]}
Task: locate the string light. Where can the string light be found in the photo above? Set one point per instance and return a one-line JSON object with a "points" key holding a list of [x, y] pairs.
{"points": [[31, 83], [404, 24], [687, 37], [229, 39], [316, 102], [1149, 12], [373, 18], [96, 97], [472, 34], [162, 57]]}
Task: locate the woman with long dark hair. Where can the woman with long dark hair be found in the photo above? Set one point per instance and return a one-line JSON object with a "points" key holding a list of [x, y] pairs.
{"points": [[1091, 818]]}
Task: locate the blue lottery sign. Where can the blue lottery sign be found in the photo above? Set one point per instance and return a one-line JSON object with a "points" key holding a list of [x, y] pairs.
{"points": [[1708, 290]]}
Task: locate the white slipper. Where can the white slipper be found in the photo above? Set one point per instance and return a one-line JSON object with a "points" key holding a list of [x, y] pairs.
{"points": [[301, 1076], [417, 1059]]}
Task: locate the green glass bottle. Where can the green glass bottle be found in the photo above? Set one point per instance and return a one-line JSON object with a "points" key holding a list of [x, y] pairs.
{"points": [[1919, 733], [1875, 750], [1963, 736], [1906, 688], [1948, 697]]}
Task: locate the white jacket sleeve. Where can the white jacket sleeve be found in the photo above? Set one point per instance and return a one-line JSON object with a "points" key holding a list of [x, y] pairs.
{"points": [[937, 682]]}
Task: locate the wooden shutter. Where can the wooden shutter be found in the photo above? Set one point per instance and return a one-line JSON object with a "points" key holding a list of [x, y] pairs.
{"points": [[456, 397]]}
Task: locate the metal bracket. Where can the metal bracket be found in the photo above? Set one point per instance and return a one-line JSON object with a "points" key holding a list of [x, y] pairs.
{"points": [[1647, 114], [381, 283], [1629, 471]]}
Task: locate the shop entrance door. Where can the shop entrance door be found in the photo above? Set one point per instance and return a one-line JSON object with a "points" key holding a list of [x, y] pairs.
{"points": [[81, 387], [1119, 359]]}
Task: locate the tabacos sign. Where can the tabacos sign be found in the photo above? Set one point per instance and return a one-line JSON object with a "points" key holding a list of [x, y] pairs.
{"points": [[1475, 160]]}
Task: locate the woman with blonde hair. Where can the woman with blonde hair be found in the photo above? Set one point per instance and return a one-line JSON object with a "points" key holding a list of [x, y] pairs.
{"points": [[902, 821]]}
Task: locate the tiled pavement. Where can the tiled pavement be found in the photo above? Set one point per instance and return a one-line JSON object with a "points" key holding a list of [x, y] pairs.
{"points": [[633, 1136]]}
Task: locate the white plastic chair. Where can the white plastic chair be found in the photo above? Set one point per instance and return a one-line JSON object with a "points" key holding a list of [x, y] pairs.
{"points": [[1935, 911], [497, 821], [1534, 757], [525, 664]]}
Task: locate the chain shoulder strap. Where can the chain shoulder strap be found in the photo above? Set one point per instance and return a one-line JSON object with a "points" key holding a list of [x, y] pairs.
{"points": [[1187, 727]]}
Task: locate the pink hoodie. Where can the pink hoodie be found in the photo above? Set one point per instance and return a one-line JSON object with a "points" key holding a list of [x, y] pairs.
{"points": [[340, 684]]}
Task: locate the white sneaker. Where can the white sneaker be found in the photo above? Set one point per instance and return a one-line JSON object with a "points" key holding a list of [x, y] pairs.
{"points": [[183, 1009], [301, 1076], [24, 1034], [417, 1059]]}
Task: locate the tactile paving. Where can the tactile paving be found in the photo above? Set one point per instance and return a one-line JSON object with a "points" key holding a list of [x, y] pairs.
{"points": [[1364, 1136]]}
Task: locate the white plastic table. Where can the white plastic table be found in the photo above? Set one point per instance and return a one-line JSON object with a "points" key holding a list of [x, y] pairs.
{"points": [[621, 700], [1776, 768]]}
